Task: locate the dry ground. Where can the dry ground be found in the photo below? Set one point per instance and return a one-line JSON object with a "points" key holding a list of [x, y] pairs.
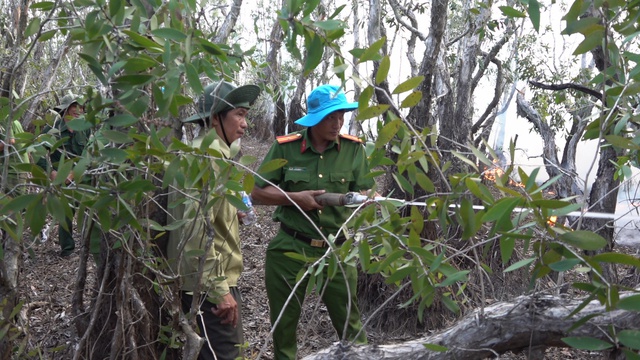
{"points": [[48, 281]]}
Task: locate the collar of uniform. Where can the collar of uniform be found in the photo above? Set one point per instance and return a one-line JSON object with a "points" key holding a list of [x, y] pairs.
{"points": [[306, 142], [217, 144]]}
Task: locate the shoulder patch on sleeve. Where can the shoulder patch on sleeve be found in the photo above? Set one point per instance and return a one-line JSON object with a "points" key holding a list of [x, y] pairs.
{"points": [[288, 138], [351, 137]]}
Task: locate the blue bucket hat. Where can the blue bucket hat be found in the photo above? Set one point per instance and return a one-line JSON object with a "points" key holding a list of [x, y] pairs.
{"points": [[322, 101]]}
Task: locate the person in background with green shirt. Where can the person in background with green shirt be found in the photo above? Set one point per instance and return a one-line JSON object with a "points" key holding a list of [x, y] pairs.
{"points": [[319, 159], [74, 144], [223, 110]]}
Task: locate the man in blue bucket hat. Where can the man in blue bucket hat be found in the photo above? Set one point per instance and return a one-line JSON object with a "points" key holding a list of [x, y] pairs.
{"points": [[319, 159]]}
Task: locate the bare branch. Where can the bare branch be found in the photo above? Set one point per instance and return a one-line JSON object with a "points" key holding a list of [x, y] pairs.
{"points": [[565, 86]]}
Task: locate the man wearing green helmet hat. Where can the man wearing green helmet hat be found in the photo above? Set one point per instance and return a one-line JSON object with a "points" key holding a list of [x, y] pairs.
{"points": [[70, 108], [221, 112]]}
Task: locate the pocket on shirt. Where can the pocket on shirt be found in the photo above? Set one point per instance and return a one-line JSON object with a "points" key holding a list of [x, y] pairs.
{"points": [[341, 180], [297, 176]]}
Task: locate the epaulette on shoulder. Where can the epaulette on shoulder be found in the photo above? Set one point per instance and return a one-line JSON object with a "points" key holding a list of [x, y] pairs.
{"points": [[288, 138], [351, 137]]}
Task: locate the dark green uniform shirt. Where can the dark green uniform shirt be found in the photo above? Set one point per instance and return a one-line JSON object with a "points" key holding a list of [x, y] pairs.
{"points": [[73, 146], [341, 168]]}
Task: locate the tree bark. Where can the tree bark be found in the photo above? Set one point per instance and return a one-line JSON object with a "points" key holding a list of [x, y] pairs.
{"points": [[278, 117], [229, 22], [528, 322], [48, 76]]}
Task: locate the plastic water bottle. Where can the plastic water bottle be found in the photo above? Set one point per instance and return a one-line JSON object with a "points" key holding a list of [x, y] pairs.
{"points": [[250, 213]]}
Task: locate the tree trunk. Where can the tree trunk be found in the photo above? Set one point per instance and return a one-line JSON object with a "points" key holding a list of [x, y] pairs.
{"points": [[565, 186], [222, 36], [48, 76], [456, 129], [271, 79], [528, 323]]}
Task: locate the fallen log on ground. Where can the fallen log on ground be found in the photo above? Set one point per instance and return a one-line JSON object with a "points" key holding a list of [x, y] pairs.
{"points": [[529, 323]]}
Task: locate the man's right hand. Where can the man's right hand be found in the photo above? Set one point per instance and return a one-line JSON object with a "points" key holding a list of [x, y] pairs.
{"points": [[227, 309], [307, 199]]}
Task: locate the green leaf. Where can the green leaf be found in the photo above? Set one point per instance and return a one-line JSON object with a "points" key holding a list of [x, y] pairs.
{"points": [[399, 274], [114, 154], [47, 35], [534, 14], [411, 100], [425, 183], [115, 6], [21, 202], [194, 253], [450, 304], [329, 25], [121, 120], [454, 278], [587, 343], [170, 34], [520, 264], [508, 11], [373, 51], [585, 240], [383, 70], [631, 303], [213, 49], [507, 246], [139, 63], [79, 124], [564, 265], [272, 165], [143, 41], [589, 43], [435, 347], [630, 338], [503, 207], [139, 79], [193, 78], [33, 27], [387, 133], [580, 26], [617, 258], [550, 204], [621, 142], [631, 355], [315, 50], [364, 251], [43, 5], [408, 85], [371, 112]]}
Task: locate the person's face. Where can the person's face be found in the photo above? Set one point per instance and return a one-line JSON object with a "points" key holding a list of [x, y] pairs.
{"points": [[329, 128], [73, 111], [235, 123]]}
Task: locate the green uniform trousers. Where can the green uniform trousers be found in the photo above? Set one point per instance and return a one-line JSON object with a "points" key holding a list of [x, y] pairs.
{"points": [[65, 237], [280, 277]]}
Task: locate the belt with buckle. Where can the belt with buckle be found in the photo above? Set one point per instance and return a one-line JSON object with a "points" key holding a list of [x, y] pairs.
{"points": [[313, 242]]}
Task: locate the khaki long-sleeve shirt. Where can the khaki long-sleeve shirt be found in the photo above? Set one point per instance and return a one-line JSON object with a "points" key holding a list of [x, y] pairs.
{"points": [[223, 260]]}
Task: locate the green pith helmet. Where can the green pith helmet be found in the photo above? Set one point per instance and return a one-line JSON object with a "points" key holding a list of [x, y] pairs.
{"points": [[66, 101], [222, 96]]}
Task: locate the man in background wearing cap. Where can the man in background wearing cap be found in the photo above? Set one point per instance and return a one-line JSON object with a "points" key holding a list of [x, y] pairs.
{"points": [[222, 109], [319, 159], [75, 141]]}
